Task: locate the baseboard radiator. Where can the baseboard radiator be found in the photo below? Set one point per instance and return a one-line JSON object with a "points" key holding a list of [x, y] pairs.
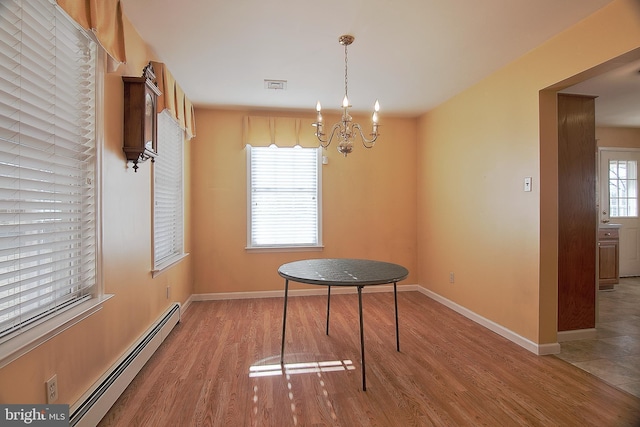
{"points": [[93, 406]]}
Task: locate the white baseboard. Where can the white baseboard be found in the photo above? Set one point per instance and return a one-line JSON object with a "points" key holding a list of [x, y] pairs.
{"points": [[579, 334], [539, 349], [187, 303], [546, 349]]}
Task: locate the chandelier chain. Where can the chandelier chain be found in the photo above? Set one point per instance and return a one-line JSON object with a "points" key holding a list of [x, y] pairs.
{"points": [[346, 74]]}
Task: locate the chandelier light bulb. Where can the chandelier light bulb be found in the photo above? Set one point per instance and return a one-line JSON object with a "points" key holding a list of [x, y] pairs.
{"points": [[319, 118], [345, 102], [376, 108]]}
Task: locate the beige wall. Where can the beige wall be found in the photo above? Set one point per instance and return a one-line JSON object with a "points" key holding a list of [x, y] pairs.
{"points": [[369, 206], [618, 137], [474, 151], [82, 353]]}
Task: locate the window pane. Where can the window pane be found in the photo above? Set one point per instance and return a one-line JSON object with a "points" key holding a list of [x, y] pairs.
{"points": [[623, 188], [622, 170], [631, 170], [613, 190], [613, 169], [633, 208]]}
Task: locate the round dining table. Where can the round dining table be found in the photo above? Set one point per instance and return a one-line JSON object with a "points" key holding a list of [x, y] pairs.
{"points": [[342, 272]]}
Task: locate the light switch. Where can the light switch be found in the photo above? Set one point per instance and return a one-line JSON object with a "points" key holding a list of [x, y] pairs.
{"points": [[527, 183]]}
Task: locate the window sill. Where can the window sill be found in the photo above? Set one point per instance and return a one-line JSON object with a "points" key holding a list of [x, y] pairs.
{"points": [[14, 346], [168, 264], [284, 248]]}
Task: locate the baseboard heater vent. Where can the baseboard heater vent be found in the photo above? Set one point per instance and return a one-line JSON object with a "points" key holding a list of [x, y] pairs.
{"points": [[93, 406]]}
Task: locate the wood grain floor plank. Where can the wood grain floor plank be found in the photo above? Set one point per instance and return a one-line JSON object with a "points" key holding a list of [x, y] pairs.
{"points": [[220, 367]]}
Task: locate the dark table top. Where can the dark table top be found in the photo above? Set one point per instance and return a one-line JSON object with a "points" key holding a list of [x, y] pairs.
{"points": [[343, 272]]}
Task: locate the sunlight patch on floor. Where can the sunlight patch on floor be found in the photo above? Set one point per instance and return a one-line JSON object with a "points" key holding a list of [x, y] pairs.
{"points": [[300, 368]]}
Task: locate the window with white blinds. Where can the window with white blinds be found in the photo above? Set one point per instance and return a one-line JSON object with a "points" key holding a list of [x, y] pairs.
{"points": [[48, 202], [284, 197], [168, 212]]}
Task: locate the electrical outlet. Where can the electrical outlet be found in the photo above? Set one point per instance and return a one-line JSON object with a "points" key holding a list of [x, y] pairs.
{"points": [[52, 389], [452, 278]]}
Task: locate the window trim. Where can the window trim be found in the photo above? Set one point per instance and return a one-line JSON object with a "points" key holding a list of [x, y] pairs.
{"points": [[284, 248]]}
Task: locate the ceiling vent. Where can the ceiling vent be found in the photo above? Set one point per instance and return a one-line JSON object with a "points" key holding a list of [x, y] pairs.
{"points": [[275, 84]]}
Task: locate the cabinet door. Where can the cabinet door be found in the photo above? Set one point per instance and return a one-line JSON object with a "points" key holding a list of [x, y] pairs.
{"points": [[608, 254]]}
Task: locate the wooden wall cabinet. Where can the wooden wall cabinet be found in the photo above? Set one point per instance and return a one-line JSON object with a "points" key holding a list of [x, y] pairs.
{"points": [[608, 255]]}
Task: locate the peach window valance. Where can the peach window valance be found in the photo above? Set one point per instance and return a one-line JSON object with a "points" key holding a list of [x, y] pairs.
{"points": [[104, 19], [174, 99], [262, 131]]}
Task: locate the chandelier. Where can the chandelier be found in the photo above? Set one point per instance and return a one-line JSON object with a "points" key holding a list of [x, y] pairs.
{"points": [[346, 130]]}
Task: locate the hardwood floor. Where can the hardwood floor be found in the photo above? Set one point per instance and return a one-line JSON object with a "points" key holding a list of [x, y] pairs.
{"points": [[220, 367]]}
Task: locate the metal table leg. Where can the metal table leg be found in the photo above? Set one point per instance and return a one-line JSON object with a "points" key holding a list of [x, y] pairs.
{"points": [[328, 304], [364, 380], [395, 298], [284, 319]]}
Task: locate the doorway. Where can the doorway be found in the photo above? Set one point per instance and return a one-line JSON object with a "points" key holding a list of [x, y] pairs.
{"points": [[602, 82], [618, 189]]}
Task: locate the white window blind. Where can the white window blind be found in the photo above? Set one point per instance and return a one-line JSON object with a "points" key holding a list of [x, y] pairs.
{"points": [[47, 163], [284, 196], [168, 227]]}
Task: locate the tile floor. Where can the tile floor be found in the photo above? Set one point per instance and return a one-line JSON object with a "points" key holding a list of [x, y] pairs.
{"points": [[614, 355]]}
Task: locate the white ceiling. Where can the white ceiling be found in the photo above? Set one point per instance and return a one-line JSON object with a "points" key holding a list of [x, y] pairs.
{"points": [[618, 95], [410, 54]]}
